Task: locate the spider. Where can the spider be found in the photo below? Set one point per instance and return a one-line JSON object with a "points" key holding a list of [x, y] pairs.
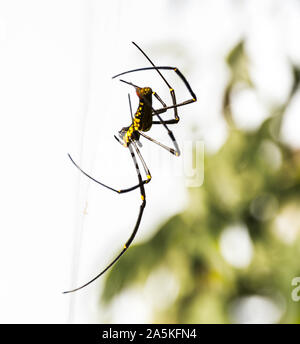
{"points": [[129, 137]]}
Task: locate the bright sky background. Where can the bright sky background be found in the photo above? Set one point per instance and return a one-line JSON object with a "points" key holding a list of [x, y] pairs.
{"points": [[57, 96]]}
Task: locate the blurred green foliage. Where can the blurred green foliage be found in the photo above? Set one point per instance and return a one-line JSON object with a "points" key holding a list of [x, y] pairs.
{"points": [[252, 180]]}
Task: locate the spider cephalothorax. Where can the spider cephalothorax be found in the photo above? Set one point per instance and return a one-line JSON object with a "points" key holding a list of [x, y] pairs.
{"points": [[129, 133]]}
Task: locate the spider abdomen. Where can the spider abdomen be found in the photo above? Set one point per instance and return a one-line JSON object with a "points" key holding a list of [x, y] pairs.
{"points": [[143, 116], [145, 123]]}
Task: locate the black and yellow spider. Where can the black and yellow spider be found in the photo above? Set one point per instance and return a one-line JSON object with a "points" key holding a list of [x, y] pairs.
{"points": [[142, 121]]}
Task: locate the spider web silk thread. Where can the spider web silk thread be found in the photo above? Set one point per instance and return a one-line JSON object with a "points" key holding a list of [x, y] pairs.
{"points": [[80, 217]]}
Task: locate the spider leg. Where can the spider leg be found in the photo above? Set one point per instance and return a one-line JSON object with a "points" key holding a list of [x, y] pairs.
{"points": [[136, 227], [160, 100], [171, 150], [120, 191], [130, 108], [146, 169], [172, 92], [176, 70], [170, 133], [169, 121]]}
